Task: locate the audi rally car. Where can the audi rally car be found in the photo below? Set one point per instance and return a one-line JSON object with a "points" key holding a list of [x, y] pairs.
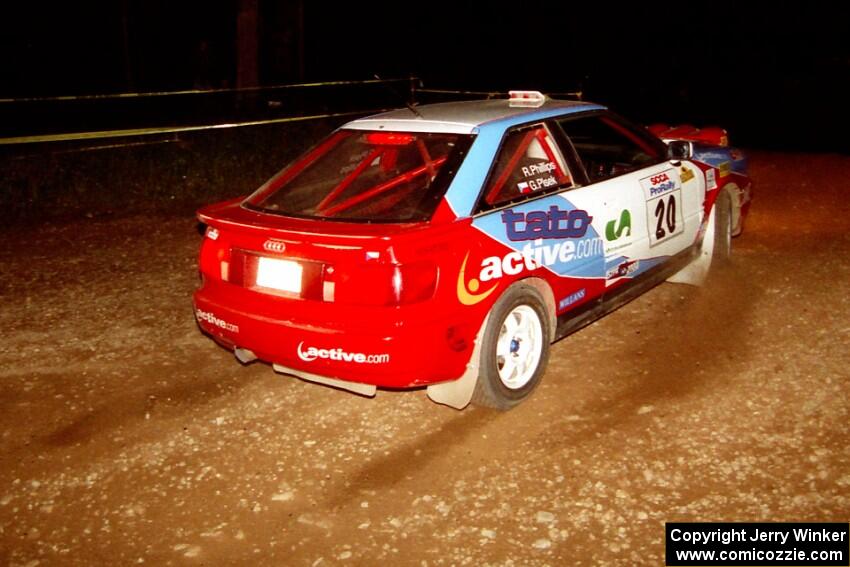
{"points": [[447, 246]]}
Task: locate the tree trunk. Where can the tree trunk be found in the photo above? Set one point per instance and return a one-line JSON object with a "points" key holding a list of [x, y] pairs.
{"points": [[246, 44]]}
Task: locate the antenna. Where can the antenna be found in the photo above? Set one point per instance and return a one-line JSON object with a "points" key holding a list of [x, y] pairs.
{"points": [[409, 106]]}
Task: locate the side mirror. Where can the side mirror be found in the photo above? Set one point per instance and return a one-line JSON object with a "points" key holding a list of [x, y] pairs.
{"points": [[679, 150]]}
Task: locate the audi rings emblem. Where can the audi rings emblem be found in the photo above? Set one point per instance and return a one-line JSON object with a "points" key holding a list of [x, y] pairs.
{"points": [[274, 246]]}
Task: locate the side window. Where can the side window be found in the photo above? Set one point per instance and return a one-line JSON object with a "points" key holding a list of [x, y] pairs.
{"points": [[608, 148], [528, 163]]}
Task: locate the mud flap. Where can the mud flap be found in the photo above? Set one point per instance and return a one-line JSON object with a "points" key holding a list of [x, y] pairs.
{"points": [[696, 272], [458, 393], [356, 387]]}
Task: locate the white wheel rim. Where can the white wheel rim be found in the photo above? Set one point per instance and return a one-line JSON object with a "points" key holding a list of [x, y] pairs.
{"points": [[519, 347]]}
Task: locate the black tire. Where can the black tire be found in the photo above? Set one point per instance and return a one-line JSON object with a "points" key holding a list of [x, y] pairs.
{"points": [[527, 306]]}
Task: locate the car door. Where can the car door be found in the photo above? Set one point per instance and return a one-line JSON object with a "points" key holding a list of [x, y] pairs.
{"points": [[531, 224], [646, 208]]}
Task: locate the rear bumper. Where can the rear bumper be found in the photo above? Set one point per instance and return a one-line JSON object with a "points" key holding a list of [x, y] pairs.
{"points": [[385, 347]]}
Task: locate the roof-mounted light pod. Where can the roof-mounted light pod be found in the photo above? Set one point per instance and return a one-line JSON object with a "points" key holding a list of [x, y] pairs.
{"points": [[528, 99]]}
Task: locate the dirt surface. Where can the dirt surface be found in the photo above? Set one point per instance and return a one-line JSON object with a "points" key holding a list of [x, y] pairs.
{"points": [[127, 437]]}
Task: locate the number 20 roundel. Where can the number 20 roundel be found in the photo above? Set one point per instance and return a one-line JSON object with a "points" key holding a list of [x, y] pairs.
{"points": [[663, 205]]}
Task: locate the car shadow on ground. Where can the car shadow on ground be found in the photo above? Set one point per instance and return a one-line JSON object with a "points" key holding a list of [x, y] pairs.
{"points": [[696, 338], [159, 399]]}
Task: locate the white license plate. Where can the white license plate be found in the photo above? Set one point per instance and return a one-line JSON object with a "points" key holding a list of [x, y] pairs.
{"points": [[283, 275]]}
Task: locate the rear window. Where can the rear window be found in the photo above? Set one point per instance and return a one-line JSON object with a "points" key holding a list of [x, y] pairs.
{"points": [[371, 176]]}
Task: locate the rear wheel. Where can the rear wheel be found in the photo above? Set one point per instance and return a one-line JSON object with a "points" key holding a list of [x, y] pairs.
{"points": [[515, 349]]}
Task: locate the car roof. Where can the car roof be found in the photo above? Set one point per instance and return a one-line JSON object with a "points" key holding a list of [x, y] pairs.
{"points": [[464, 117]]}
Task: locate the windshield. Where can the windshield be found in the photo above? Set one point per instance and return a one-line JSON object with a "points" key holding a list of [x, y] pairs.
{"points": [[366, 176]]}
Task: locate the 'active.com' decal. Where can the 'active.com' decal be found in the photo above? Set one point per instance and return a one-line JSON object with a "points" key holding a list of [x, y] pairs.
{"points": [[310, 353], [560, 240]]}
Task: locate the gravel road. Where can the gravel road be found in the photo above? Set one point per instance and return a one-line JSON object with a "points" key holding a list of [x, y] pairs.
{"points": [[127, 437]]}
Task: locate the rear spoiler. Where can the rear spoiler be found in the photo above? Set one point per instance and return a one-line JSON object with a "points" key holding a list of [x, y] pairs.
{"points": [[712, 135]]}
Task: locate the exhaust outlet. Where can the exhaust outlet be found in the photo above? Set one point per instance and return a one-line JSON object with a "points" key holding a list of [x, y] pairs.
{"points": [[244, 355]]}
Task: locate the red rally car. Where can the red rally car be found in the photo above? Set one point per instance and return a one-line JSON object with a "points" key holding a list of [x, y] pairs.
{"points": [[447, 246]]}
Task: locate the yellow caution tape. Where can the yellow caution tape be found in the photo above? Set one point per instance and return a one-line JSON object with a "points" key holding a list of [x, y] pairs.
{"points": [[206, 91], [576, 94], [71, 136]]}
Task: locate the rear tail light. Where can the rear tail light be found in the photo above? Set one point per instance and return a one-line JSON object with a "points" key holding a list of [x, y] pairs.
{"points": [[214, 259], [360, 285], [381, 285], [415, 282]]}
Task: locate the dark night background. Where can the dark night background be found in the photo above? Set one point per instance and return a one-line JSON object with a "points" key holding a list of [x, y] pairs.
{"points": [[776, 76]]}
